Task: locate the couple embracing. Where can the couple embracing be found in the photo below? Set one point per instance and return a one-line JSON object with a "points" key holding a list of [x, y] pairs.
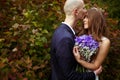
{"points": [[65, 56]]}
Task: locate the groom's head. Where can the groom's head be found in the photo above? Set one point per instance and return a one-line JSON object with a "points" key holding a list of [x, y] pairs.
{"points": [[74, 8]]}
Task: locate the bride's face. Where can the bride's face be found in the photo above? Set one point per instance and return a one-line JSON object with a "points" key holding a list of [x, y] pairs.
{"points": [[85, 20]]}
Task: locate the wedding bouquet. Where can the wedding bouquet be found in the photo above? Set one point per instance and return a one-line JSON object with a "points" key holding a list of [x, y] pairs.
{"points": [[87, 46]]}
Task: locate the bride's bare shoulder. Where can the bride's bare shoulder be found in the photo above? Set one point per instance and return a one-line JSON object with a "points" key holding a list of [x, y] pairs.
{"points": [[105, 41]]}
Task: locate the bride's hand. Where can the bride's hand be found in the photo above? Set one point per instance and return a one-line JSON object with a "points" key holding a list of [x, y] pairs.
{"points": [[76, 53]]}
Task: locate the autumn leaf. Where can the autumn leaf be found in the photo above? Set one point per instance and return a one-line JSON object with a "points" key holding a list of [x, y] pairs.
{"points": [[36, 67]]}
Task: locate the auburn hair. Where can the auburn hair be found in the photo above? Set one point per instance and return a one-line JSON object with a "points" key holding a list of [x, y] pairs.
{"points": [[96, 24]]}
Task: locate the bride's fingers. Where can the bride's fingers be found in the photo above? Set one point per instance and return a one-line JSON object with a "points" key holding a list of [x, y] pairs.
{"points": [[74, 50], [77, 50], [101, 68]]}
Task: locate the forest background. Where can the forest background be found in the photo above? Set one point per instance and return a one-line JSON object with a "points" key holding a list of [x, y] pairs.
{"points": [[26, 27]]}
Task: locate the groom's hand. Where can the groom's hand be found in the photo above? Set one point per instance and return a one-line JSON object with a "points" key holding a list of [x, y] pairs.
{"points": [[98, 71]]}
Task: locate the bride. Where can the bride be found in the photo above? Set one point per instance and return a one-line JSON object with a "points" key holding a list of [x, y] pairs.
{"points": [[94, 24]]}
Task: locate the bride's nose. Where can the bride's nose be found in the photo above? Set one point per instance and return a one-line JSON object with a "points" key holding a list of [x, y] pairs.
{"points": [[84, 19]]}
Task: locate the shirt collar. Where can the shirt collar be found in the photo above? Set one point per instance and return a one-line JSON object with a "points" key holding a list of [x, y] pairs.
{"points": [[69, 27]]}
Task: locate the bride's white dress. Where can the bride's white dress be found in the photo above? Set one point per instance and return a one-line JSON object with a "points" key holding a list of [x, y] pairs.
{"points": [[96, 78]]}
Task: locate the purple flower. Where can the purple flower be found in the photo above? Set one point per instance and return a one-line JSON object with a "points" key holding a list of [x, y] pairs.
{"points": [[87, 46]]}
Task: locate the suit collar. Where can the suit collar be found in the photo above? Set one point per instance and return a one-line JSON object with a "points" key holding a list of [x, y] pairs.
{"points": [[69, 27]]}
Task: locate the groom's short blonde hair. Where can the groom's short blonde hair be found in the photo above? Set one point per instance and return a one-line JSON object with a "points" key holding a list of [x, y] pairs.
{"points": [[70, 5]]}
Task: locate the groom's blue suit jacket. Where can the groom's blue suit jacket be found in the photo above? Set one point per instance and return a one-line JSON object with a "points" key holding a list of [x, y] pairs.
{"points": [[63, 63]]}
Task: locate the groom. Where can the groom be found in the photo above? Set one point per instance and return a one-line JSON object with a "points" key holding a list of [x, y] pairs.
{"points": [[63, 63]]}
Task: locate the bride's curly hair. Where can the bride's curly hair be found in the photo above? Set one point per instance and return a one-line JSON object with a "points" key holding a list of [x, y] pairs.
{"points": [[96, 23]]}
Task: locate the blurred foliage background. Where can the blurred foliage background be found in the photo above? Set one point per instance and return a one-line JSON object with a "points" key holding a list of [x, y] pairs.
{"points": [[26, 27]]}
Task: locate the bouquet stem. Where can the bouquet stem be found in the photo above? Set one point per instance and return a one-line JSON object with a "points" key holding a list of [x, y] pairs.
{"points": [[80, 68]]}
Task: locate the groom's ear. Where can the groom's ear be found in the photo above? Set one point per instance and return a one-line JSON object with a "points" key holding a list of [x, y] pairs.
{"points": [[75, 12]]}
